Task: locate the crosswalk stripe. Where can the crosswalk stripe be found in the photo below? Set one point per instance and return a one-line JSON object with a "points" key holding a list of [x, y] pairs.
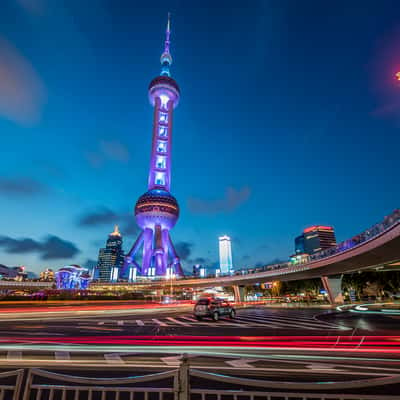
{"points": [[196, 321], [62, 355], [177, 322], [189, 318], [14, 355], [140, 322], [158, 322], [312, 323], [113, 358], [251, 322], [291, 324]]}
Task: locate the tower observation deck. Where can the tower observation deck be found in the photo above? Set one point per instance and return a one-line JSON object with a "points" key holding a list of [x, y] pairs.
{"points": [[157, 211]]}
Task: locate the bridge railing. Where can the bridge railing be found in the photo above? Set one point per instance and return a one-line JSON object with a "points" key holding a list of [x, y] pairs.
{"points": [[185, 383], [370, 233]]}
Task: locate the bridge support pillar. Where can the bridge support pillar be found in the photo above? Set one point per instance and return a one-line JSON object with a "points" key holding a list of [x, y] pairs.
{"points": [[238, 292], [333, 287]]}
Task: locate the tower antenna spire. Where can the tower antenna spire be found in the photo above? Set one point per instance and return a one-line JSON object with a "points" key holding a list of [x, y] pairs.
{"points": [[166, 58]]}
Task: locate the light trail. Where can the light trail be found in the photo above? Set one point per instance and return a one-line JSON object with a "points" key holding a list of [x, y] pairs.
{"points": [[354, 344]]}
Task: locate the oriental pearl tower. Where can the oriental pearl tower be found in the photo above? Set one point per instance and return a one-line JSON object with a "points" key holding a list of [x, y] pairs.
{"points": [[157, 211]]}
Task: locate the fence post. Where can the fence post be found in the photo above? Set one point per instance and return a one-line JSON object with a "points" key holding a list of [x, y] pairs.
{"points": [[182, 380]]}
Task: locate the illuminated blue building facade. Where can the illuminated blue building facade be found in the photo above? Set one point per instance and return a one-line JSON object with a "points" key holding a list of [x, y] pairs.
{"points": [[72, 277]]}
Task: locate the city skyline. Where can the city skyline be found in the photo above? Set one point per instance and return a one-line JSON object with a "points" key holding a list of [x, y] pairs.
{"points": [[73, 124]]}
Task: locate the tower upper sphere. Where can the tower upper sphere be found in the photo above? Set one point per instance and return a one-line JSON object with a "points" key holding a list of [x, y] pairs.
{"points": [[163, 86]]}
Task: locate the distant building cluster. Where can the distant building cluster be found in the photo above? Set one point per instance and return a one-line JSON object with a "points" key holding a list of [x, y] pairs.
{"points": [[12, 273], [47, 275]]}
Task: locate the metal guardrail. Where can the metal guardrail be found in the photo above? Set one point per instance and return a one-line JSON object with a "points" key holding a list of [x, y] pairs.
{"points": [[10, 384], [45, 385]]}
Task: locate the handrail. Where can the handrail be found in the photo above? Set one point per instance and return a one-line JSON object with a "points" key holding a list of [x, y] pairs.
{"points": [[103, 381], [295, 385], [288, 395]]}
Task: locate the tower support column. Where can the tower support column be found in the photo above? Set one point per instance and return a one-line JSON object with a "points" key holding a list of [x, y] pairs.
{"points": [[333, 287]]}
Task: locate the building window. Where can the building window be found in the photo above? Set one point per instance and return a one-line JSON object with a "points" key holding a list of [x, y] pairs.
{"points": [[164, 101], [163, 117], [161, 147], [160, 178], [161, 162], [162, 131]]}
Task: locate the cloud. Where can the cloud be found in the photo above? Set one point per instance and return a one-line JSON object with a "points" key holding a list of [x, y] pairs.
{"points": [[20, 187], [129, 228], [19, 246], [108, 150], [105, 216], [102, 216], [231, 200], [22, 93], [184, 249], [54, 248], [51, 248]]}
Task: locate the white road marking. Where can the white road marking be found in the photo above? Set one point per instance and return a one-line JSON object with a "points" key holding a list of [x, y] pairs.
{"points": [[287, 323], [158, 322], [196, 322], [140, 322], [299, 321], [323, 367], [221, 322], [172, 361], [100, 323], [250, 322], [242, 363], [62, 355], [120, 323], [14, 355], [311, 323], [190, 319], [113, 358], [175, 321]]}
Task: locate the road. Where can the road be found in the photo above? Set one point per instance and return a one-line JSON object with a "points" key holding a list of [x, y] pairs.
{"points": [[156, 320], [281, 344]]}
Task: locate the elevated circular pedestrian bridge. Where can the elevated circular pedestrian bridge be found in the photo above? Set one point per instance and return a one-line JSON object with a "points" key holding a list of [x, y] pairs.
{"points": [[377, 246]]}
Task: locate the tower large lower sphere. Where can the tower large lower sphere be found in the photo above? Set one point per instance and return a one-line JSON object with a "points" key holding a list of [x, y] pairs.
{"points": [[157, 211]]}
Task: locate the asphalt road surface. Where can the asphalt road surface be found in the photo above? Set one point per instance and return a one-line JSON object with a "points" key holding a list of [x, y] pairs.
{"points": [[299, 345], [249, 321]]}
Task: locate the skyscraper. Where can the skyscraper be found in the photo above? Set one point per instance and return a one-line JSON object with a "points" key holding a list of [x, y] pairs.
{"points": [[225, 255], [314, 239], [111, 257], [157, 211]]}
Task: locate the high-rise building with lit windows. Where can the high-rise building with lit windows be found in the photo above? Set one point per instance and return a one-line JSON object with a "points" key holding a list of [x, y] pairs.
{"points": [[225, 255], [111, 258], [314, 239]]}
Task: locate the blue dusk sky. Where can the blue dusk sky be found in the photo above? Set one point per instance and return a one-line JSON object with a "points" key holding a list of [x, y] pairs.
{"points": [[289, 117]]}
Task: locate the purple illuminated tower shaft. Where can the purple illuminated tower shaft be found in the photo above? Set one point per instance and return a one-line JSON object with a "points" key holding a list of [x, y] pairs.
{"points": [[157, 210]]}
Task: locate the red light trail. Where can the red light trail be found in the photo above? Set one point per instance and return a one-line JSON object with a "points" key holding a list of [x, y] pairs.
{"points": [[376, 344]]}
